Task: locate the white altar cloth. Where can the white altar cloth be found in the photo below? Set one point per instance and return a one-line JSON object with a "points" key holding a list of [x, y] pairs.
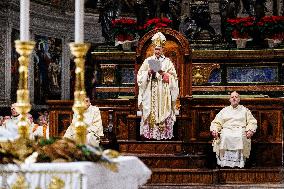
{"points": [[131, 174]]}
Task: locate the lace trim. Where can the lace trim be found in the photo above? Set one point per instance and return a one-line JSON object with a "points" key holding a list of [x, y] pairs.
{"points": [[231, 158]]}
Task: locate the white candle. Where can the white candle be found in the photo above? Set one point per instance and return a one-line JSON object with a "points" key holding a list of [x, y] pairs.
{"points": [[24, 20], [79, 21]]}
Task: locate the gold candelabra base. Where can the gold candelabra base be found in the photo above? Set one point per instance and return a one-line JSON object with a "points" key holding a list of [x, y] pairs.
{"points": [[23, 106], [79, 50]]}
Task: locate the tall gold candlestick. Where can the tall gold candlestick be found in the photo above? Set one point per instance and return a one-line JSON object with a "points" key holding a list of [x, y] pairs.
{"points": [[23, 106], [79, 50]]}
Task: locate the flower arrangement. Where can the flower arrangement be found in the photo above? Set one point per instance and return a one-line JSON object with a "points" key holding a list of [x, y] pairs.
{"points": [[156, 23], [124, 28], [53, 150], [240, 27], [272, 27], [269, 26]]}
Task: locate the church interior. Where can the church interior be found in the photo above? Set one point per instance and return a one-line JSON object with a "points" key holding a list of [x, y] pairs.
{"points": [[216, 46]]}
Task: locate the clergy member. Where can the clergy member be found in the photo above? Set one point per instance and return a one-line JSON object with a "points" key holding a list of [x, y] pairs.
{"points": [[158, 92], [232, 130], [92, 118], [10, 127]]}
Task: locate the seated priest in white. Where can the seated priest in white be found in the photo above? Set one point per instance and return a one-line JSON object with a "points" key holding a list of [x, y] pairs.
{"points": [[158, 91], [92, 117], [10, 125], [42, 127], [232, 130], [41, 130]]}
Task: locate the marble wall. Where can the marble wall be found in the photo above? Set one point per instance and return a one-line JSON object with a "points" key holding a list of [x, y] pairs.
{"points": [[44, 21]]}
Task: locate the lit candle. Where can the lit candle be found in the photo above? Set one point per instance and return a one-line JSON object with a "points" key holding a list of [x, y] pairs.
{"points": [[79, 21], [24, 20]]}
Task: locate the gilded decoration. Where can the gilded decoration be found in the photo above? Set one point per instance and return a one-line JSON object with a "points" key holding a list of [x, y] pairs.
{"points": [[79, 51], [56, 183], [23, 106], [108, 73], [20, 183], [201, 72]]}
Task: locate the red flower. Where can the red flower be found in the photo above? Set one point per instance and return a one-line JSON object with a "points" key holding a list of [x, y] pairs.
{"points": [[240, 27], [156, 23], [125, 26], [271, 26]]}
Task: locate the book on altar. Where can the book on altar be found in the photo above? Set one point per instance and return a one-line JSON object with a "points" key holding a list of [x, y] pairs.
{"points": [[155, 65]]}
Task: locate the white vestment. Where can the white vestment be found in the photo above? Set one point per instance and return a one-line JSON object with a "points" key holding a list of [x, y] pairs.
{"points": [[92, 118], [233, 147], [157, 100], [9, 129], [41, 130]]}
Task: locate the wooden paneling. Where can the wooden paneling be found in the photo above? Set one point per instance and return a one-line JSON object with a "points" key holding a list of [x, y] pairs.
{"points": [[188, 158], [113, 113]]}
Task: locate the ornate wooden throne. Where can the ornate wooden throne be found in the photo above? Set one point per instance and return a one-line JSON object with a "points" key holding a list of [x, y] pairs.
{"points": [[177, 49]]}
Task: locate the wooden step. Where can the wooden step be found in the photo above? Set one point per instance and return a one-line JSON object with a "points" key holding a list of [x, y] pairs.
{"points": [[150, 147], [216, 176], [184, 176], [177, 161]]}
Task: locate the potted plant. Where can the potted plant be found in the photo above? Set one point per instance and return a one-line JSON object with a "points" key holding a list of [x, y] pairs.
{"points": [[124, 29], [155, 23], [272, 28], [240, 30]]}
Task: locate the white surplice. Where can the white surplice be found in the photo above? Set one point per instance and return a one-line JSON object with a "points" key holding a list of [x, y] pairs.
{"points": [[92, 117], [233, 147], [157, 99]]}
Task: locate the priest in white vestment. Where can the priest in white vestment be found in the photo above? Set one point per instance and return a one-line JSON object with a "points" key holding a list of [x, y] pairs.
{"points": [[9, 128], [92, 118], [232, 130], [158, 91]]}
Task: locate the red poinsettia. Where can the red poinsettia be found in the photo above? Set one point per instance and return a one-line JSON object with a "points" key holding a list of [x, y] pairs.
{"points": [[240, 27], [124, 26], [272, 26], [156, 23]]}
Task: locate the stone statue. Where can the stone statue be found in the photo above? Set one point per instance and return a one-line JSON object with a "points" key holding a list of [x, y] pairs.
{"points": [[228, 9], [259, 9], [248, 7], [174, 13], [108, 10], [142, 12], [201, 15], [156, 7], [147, 9], [187, 27], [231, 9]]}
